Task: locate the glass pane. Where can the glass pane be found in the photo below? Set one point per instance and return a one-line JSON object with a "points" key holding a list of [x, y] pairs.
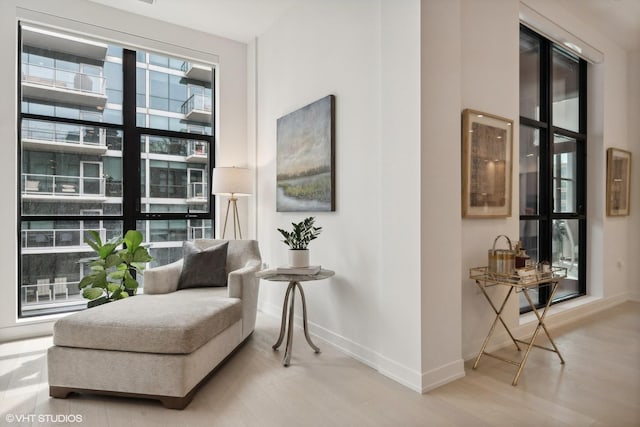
{"points": [[529, 170], [50, 269], [175, 175], [565, 244], [68, 169], [564, 174], [75, 80], [529, 76], [565, 88], [141, 87], [165, 237], [179, 94], [529, 231], [113, 76]]}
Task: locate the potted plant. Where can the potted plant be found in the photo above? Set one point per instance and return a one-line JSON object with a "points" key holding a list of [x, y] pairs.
{"points": [[298, 239], [112, 270]]}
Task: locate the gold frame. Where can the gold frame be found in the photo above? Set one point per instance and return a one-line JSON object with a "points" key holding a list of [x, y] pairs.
{"points": [[486, 190], [618, 182]]}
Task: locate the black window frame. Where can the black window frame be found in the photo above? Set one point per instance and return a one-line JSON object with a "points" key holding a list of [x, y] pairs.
{"points": [[547, 131], [131, 159]]}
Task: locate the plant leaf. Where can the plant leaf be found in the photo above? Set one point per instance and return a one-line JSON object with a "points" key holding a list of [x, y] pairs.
{"points": [[117, 275], [92, 293], [132, 240], [141, 255], [139, 266], [113, 287], [86, 281], [112, 260], [130, 283]]}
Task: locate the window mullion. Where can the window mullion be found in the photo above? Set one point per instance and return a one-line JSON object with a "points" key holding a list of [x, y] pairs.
{"points": [[131, 143]]}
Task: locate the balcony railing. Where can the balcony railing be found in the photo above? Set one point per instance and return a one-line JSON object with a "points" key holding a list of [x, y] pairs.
{"points": [[45, 292], [56, 238], [63, 133], [197, 152], [199, 233], [61, 185], [197, 102], [197, 190], [197, 72], [197, 148], [64, 79]]}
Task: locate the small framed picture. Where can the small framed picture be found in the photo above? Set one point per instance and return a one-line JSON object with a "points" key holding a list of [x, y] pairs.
{"points": [[618, 182], [487, 151]]}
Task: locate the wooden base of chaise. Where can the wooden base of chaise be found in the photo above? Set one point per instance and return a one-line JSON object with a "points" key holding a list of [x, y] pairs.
{"points": [[169, 402]]}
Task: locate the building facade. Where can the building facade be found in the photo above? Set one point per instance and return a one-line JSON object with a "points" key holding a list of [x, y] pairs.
{"points": [[111, 139]]}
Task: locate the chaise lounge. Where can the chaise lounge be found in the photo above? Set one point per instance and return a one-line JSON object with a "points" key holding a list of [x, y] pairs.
{"points": [[162, 344]]}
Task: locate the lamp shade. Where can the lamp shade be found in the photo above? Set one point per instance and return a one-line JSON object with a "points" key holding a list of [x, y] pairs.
{"points": [[231, 181]]}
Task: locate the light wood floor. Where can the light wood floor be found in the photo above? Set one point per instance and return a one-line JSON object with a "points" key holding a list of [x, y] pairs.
{"points": [[598, 386]]}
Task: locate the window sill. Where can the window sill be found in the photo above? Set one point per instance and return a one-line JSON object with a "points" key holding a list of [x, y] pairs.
{"points": [[28, 320], [560, 308]]}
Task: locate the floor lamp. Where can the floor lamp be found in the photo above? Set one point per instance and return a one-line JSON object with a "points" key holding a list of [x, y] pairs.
{"points": [[233, 182]]}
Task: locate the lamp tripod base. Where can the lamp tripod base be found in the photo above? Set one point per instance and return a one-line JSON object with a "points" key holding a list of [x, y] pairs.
{"points": [[232, 206]]}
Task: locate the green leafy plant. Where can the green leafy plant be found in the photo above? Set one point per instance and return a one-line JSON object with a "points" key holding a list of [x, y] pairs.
{"points": [[303, 232], [112, 270]]}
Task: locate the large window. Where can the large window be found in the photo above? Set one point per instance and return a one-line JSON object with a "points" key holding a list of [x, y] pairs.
{"points": [[552, 161], [111, 139]]}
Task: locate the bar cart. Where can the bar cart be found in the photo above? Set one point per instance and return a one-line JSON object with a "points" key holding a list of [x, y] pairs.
{"points": [[527, 280]]}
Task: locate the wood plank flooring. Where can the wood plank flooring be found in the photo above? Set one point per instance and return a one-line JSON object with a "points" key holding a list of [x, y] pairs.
{"points": [[598, 386]]}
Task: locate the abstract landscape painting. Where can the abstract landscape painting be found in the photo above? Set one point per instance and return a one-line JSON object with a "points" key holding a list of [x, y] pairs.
{"points": [[305, 161]]}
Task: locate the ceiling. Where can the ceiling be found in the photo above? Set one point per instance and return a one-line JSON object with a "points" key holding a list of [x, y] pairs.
{"points": [[243, 20], [619, 20], [240, 20]]}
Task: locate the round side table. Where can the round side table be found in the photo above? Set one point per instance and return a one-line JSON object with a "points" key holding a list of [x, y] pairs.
{"points": [[289, 299]]}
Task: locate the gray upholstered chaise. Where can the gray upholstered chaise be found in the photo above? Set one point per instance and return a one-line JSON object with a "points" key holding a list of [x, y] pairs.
{"points": [[161, 344]]}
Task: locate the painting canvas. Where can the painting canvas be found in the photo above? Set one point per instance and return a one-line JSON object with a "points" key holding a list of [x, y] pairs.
{"points": [[305, 161], [618, 181], [486, 165]]}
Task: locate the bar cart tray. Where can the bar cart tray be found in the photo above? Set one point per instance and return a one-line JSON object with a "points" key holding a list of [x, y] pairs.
{"points": [[528, 277]]}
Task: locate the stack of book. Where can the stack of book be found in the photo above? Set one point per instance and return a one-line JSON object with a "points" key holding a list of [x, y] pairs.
{"points": [[303, 271]]}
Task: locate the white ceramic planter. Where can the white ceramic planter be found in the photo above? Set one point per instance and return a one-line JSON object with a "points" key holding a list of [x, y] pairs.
{"points": [[298, 257]]}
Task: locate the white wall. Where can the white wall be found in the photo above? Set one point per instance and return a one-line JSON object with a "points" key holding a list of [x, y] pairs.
{"points": [[441, 246], [633, 238], [232, 120], [489, 83], [366, 53]]}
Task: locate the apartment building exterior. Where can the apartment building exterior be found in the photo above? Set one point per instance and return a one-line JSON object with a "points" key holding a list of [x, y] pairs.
{"points": [[111, 138]]}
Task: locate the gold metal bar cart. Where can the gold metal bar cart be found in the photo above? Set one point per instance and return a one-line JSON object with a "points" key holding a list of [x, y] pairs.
{"points": [[485, 279]]}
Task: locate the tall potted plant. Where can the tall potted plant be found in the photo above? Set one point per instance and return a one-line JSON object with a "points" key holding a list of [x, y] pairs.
{"points": [[298, 239], [112, 270]]}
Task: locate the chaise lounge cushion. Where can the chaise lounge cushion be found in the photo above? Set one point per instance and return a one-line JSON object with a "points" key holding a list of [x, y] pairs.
{"points": [[175, 323]]}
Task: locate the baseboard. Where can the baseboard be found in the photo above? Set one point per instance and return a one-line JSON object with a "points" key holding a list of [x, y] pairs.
{"points": [[634, 296], [344, 345], [26, 331], [442, 375], [410, 378]]}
